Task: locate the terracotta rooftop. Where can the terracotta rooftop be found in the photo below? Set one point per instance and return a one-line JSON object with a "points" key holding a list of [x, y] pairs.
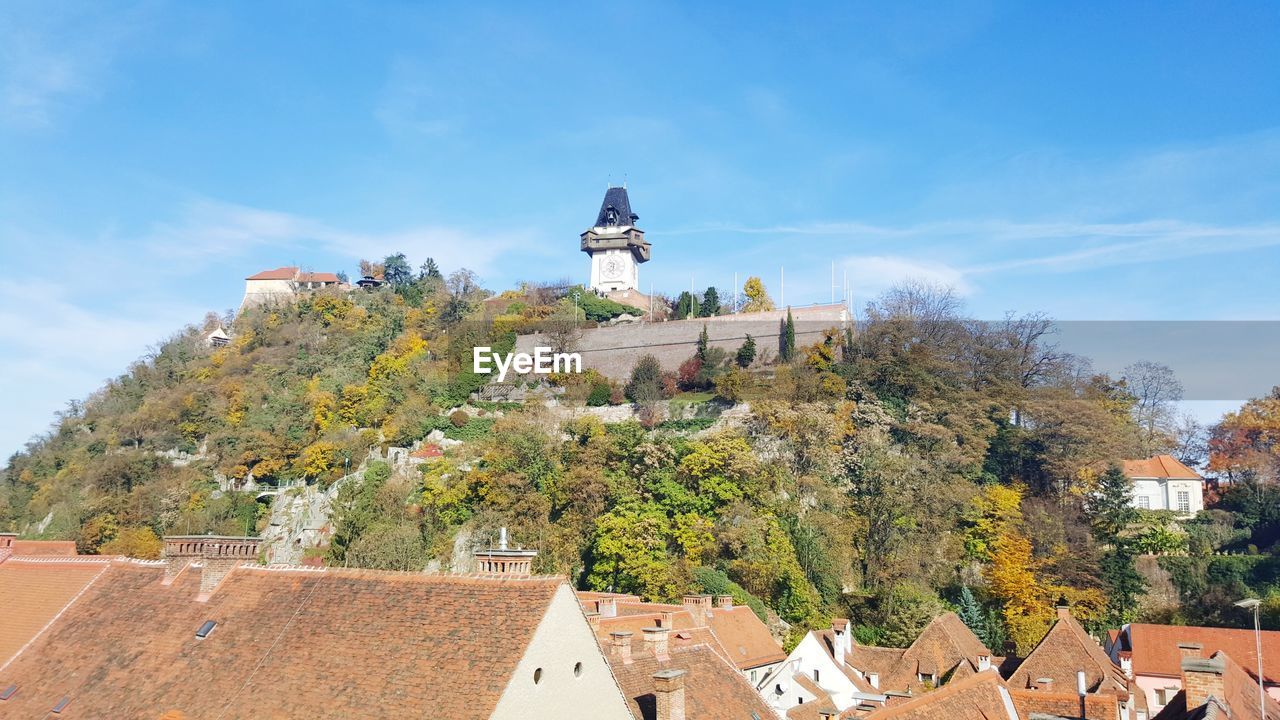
{"points": [[32, 593], [1240, 701], [64, 548], [982, 696], [1064, 703], [946, 648], [1160, 466], [293, 273], [1065, 650], [713, 689], [1155, 648], [287, 644]]}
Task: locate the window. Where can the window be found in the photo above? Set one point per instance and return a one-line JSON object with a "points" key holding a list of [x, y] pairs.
{"points": [[8, 692], [537, 676], [577, 669], [753, 676], [206, 628], [62, 705], [1144, 502], [815, 674], [1184, 501]]}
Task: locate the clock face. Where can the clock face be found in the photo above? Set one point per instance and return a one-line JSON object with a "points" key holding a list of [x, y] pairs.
{"points": [[612, 268]]}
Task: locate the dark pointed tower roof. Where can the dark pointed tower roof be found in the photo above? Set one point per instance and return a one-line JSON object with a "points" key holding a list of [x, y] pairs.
{"points": [[615, 211]]}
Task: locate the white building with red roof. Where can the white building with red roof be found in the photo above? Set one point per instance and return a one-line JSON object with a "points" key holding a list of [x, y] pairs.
{"points": [[1163, 483], [282, 284]]}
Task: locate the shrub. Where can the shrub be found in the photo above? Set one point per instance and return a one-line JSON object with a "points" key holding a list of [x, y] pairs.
{"points": [[458, 418], [600, 393]]}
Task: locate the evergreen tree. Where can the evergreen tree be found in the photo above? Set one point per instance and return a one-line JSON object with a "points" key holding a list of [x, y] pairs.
{"points": [[342, 277], [395, 270], [686, 306], [970, 613], [746, 352], [710, 305], [787, 338], [1110, 516], [702, 344], [429, 270]]}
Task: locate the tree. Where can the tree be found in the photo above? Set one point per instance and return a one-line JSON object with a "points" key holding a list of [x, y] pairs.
{"points": [[758, 299], [971, 614], [396, 270], [1011, 578], [710, 305], [645, 385], [134, 542], [787, 338], [1155, 389], [686, 306], [746, 352], [429, 270], [371, 269], [702, 343], [342, 277], [730, 385], [1111, 515], [1246, 444]]}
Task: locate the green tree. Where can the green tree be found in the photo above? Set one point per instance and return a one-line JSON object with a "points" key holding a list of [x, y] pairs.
{"points": [[396, 270], [430, 271], [971, 614], [703, 343], [787, 338], [710, 305], [1111, 516], [746, 352], [645, 385], [686, 306]]}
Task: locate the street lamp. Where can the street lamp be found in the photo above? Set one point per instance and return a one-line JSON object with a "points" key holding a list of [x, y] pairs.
{"points": [[1256, 605]]}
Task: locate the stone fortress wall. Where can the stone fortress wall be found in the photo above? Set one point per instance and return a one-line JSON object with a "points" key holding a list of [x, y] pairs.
{"points": [[613, 350]]}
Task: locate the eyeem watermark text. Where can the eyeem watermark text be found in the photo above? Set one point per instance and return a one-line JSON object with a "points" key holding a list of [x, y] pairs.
{"points": [[543, 361]]}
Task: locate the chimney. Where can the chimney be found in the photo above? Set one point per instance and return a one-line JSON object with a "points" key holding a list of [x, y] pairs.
{"points": [[1044, 683], [1126, 663], [1189, 650], [828, 713], [841, 643], [1082, 685], [984, 663], [1064, 610], [218, 556], [668, 690], [655, 641], [607, 606], [6, 540], [620, 640], [1202, 679], [724, 601], [504, 561], [593, 619], [698, 606], [667, 619]]}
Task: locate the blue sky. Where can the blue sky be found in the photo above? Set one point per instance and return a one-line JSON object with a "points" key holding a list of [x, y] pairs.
{"points": [[1086, 160]]}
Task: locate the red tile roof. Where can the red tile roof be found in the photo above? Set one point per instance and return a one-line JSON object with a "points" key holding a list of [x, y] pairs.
{"points": [[320, 277], [747, 641], [32, 593], [427, 452], [1155, 648], [1240, 697], [978, 697], [1160, 466], [713, 689], [288, 644], [64, 548], [284, 273], [1065, 650]]}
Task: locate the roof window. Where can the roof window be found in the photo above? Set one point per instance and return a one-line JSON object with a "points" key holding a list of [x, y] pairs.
{"points": [[206, 628]]}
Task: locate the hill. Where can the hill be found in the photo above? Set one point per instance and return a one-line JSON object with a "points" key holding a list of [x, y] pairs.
{"points": [[926, 461]]}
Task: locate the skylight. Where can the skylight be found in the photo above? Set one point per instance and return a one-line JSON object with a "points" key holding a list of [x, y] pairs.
{"points": [[62, 704], [206, 628], [8, 692]]}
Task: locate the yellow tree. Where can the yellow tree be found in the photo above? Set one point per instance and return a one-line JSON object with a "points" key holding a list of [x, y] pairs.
{"points": [[1011, 578], [757, 296]]}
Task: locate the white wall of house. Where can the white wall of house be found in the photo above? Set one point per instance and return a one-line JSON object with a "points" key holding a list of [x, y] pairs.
{"points": [[810, 655], [266, 291], [546, 685], [1184, 496]]}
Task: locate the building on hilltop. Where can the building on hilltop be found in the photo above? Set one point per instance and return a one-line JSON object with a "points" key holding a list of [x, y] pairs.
{"points": [[616, 246], [208, 633], [1163, 483], [282, 284], [1151, 655]]}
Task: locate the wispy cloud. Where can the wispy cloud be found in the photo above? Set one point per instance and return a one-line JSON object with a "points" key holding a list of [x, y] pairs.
{"points": [[53, 54], [207, 229]]}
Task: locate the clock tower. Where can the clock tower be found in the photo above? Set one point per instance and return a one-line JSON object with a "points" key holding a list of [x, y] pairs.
{"points": [[615, 245]]}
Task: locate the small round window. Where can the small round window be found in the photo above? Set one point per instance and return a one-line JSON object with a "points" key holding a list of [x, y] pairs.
{"points": [[537, 676], [577, 669]]}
